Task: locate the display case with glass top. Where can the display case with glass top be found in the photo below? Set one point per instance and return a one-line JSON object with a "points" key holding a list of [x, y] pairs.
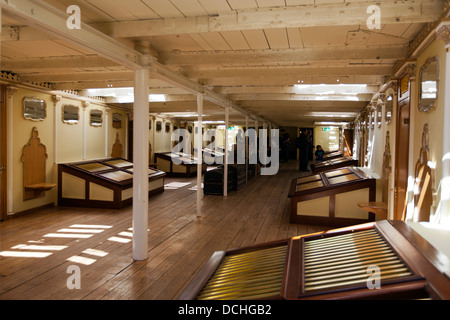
{"points": [[333, 164], [177, 164], [104, 183], [330, 198]]}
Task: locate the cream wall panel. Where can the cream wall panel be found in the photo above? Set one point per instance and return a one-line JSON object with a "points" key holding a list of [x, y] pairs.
{"points": [[167, 144], [319, 207], [179, 168], [95, 136], [73, 187], [163, 165], [127, 194], [346, 204], [155, 184], [158, 147], [70, 136], [98, 192]]}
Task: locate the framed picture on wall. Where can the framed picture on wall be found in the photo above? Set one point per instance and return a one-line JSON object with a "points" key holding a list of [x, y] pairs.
{"points": [[34, 109], [70, 114]]}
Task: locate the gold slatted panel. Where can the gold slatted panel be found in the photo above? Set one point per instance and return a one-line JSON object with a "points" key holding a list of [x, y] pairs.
{"points": [[251, 275], [343, 260]]}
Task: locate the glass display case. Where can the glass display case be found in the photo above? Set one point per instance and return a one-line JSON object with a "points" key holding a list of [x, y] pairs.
{"points": [[330, 198], [106, 183]]}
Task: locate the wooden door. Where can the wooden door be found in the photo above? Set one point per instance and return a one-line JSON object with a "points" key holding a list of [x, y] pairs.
{"points": [[401, 160], [3, 172]]}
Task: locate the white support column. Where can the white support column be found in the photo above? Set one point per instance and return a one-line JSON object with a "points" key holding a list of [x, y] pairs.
{"points": [[10, 172], [56, 99], [393, 191], [411, 158], [199, 153], [257, 141], [107, 113], [246, 139], [85, 120], [225, 163], [140, 164], [265, 137], [125, 142], [444, 218]]}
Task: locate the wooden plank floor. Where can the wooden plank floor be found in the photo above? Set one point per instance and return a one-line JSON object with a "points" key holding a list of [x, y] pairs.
{"points": [[99, 241]]}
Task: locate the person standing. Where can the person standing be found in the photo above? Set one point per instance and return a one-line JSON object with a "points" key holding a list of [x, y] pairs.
{"points": [[302, 145], [285, 145], [309, 140]]}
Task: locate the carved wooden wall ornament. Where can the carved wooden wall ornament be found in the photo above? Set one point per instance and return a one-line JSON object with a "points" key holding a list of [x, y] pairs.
{"points": [[424, 190], [117, 149], [34, 157]]}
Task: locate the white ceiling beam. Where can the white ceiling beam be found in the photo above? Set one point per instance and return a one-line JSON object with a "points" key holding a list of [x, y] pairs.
{"points": [[217, 58], [296, 89], [299, 97], [354, 13], [291, 80], [78, 76], [81, 61], [293, 71]]}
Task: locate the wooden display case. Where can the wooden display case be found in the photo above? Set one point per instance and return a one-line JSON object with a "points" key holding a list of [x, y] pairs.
{"points": [[336, 265], [187, 167], [332, 155], [330, 198], [333, 164], [106, 183]]}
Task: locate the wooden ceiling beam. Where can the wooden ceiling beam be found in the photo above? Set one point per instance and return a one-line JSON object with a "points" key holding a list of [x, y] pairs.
{"points": [[228, 58], [353, 13], [81, 61], [293, 71]]}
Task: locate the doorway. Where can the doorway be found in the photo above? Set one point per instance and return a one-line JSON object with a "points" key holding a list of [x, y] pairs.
{"points": [[3, 157]]}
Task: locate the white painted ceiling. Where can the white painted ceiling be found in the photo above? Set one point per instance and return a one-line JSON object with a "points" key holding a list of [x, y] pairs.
{"points": [[292, 62]]}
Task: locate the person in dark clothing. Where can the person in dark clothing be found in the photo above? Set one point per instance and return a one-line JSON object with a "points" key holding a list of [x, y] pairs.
{"points": [[302, 145], [309, 139], [285, 145]]}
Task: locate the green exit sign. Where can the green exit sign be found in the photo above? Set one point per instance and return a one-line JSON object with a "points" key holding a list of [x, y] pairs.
{"points": [[326, 129]]}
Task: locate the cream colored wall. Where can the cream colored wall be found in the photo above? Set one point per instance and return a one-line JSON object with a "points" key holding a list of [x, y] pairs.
{"points": [[434, 118], [159, 147], [21, 135], [325, 138], [69, 142]]}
